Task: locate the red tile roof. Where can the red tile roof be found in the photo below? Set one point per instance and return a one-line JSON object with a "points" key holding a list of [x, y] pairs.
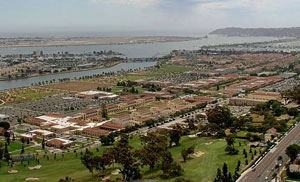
{"points": [[97, 131], [55, 115], [112, 126]]}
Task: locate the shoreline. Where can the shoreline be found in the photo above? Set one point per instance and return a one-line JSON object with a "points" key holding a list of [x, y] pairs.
{"points": [[59, 73], [92, 43]]}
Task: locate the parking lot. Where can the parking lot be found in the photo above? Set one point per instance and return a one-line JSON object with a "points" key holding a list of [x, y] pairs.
{"points": [[283, 85], [62, 103]]}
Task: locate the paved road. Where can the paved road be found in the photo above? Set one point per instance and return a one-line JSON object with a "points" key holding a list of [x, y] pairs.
{"points": [[266, 167]]}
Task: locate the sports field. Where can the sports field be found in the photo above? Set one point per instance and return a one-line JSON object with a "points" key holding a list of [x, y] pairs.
{"points": [[209, 155]]}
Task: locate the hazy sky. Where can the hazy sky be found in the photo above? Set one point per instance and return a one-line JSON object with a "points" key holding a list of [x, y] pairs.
{"points": [[144, 16]]}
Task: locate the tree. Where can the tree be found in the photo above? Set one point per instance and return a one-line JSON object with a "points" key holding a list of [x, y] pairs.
{"points": [[191, 124], [22, 150], [4, 125], [230, 140], [292, 151], [7, 137], [107, 140], [292, 94], [220, 116], [153, 147], [87, 161], [43, 143], [229, 178], [223, 175], [293, 112], [219, 177], [20, 120], [6, 153], [240, 122], [67, 179], [169, 167], [225, 171], [104, 111], [236, 176], [274, 176], [1, 150], [186, 152], [124, 156], [230, 145], [100, 162], [174, 170], [238, 166], [175, 135], [280, 158], [182, 180], [211, 129]]}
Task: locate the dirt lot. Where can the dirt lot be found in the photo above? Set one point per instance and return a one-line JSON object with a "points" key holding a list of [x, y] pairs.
{"points": [[75, 86]]}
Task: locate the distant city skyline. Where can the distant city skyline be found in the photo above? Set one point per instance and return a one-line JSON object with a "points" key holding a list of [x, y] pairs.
{"points": [[141, 17]]}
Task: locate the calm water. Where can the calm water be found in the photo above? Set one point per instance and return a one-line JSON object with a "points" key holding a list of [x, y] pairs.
{"points": [[130, 50], [139, 50], [28, 81]]}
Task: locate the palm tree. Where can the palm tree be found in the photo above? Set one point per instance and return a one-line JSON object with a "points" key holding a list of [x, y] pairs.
{"points": [[275, 176], [280, 158]]}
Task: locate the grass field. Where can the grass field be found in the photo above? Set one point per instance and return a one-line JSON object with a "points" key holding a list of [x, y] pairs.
{"points": [[292, 121], [35, 95], [118, 90], [14, 146], [174, 68], [136, 76], [75, 86], [258, 118], [222, 86], [242, 133], [168, 68], [25, 94], [202, 168]]}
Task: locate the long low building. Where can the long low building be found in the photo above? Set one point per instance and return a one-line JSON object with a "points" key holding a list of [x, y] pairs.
{"points": [[100, 95], [42, 133], [95, 132], [245, 101], [60, 143], [259, 95]]}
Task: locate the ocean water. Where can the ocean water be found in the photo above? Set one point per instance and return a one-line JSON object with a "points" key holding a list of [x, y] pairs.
{"points": [[129, 50]]}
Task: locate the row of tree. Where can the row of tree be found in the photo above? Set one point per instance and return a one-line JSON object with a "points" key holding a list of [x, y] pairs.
{"points": [[154, 153]]}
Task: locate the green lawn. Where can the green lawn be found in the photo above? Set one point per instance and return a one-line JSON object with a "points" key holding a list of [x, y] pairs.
{"points": [[118, 90], [292, 179], [13, 146], [242, 133], [136, 76], [258, 118], [174, 68], [52, 170], [119, 113], [222, 86], [35, 95], [20, 131], [292, 121], [202, 168]]}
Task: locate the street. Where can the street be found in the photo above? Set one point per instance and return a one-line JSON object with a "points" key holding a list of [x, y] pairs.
{"points": [[266, 167]]}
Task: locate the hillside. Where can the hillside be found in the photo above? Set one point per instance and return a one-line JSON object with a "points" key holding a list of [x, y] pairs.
{"points": [[271, 32]]}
